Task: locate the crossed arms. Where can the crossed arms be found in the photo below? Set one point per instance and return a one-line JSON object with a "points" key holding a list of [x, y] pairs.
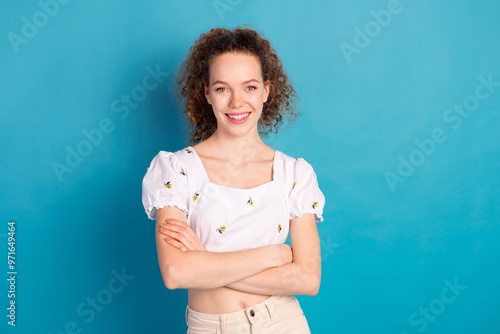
{"points": [[268, 270]]}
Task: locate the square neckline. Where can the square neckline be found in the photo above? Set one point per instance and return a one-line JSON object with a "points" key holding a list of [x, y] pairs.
{"points": [[202, 167]]}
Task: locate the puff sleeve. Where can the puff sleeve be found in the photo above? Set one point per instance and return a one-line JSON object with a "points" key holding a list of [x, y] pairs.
{"points": [[305, 196], [165, 184]]}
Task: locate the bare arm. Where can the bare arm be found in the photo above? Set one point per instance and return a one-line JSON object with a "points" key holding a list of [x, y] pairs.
{"points": [[198, 269], [302, 276]]}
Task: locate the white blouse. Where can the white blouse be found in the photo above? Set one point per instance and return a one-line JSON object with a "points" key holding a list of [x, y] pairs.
{"points": [[231, 219]]}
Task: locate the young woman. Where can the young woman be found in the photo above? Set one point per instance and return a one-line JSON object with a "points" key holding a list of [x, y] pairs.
{"points": [[225, 206]]}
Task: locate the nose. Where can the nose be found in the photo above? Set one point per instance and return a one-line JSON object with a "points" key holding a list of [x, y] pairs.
{"points": [[236, 100]]}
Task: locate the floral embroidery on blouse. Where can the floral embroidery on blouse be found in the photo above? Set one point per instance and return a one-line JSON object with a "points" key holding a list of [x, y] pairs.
{"points": [[221, 229], [315, 204], [279, 227], [293, 186], [250, 202], [195, 197], [188, 150], [182, 172], [168, 185]]}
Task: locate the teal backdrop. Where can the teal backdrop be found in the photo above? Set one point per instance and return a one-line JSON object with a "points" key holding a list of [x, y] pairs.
{"points": [[401, 103]]}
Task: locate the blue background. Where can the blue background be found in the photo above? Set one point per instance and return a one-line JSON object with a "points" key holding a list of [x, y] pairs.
{"points": [[390, 248]]}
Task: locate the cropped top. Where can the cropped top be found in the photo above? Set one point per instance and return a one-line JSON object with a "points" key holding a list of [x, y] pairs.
{"points": [[232, 219]]}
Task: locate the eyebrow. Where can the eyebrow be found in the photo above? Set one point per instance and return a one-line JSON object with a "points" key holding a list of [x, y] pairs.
{"points": [[225, 83]]}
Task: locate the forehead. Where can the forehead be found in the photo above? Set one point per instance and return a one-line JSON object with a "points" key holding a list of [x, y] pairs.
{"points": [[234, 67]]}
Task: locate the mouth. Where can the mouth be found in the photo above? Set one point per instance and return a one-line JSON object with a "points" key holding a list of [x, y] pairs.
{"points": [[238, 118]]}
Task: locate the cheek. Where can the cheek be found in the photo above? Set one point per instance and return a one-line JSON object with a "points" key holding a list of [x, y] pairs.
{"points": [[257, 101], [218, 104]]}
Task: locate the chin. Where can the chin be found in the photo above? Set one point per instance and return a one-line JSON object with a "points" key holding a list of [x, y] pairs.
{"points": [[242, 131]]}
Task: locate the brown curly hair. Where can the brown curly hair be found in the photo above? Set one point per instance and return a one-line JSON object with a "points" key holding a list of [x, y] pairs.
{"points": [[194, 74]]}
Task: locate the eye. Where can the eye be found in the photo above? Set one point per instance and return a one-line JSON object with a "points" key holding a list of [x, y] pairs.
{"points": [[220, 89], [251, 88]]}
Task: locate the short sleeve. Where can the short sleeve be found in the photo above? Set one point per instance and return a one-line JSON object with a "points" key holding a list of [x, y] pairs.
{"points": [[165, 184], [305, 196]]}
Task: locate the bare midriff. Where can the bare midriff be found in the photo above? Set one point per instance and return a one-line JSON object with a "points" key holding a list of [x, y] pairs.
{"points": [[222, 300]]}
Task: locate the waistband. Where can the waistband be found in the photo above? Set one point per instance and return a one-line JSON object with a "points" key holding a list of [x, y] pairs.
{"points": [[253, 313]]}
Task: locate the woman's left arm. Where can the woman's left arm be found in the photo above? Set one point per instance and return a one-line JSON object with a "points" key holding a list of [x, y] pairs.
{"points": [[302, 276]]}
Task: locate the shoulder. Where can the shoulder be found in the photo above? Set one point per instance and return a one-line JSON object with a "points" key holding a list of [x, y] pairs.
{"points": [[180, 154], [294, 171], [293, 164], [175, 158], [183, 154]]}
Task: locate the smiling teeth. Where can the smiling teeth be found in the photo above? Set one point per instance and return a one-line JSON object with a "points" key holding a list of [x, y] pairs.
{"points": [[239, 116]]}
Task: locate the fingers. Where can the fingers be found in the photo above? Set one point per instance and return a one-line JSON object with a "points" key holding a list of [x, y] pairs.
{"points": [[181, 232], [181, 227], [176, 244], [175, 222], [172, 232]]}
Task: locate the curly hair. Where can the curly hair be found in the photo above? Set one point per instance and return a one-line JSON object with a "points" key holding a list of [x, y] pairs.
{"points": [[194, 74]]}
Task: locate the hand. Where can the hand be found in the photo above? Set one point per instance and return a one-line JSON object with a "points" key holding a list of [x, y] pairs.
{"points": [[180, 235]]}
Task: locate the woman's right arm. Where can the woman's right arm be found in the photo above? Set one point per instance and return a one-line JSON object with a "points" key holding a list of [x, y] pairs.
{"points": [[197, 269]]}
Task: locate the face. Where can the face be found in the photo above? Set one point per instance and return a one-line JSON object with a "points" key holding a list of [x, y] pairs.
{"points": [[236, 92]]}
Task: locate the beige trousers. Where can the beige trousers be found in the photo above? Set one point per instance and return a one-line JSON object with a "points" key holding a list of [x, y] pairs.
{"points": [[275, 315]]}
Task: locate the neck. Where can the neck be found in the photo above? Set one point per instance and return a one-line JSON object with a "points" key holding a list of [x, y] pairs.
{"points": [[242, 148]]}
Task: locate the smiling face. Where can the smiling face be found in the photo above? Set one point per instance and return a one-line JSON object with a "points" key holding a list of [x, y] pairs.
{"points": [[236, 92]]}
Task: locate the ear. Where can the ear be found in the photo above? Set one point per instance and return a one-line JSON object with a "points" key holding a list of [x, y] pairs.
{"points": [[267, 88], [207, 93]]}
